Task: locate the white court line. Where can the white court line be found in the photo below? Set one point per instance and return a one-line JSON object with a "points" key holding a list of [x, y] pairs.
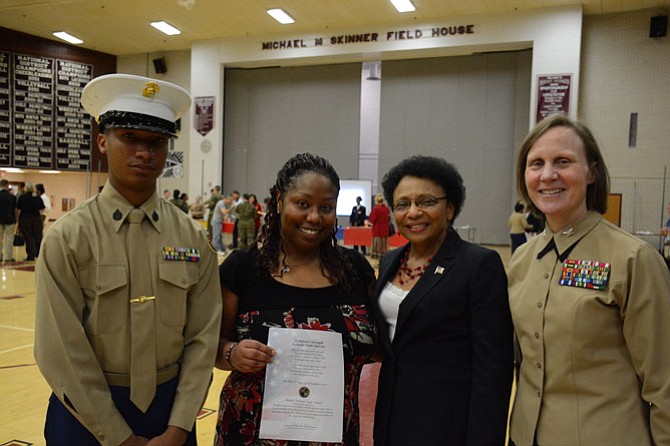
{"points": [[17, 328], [21, 347]]}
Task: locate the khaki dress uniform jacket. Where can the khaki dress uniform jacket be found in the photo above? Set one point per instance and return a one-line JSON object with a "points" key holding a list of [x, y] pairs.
{"points": [[83, 322], [596, 363]]}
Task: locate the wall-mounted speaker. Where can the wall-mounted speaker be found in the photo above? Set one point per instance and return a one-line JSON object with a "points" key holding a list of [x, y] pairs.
{"points": [[658, 26], [159, 66]]}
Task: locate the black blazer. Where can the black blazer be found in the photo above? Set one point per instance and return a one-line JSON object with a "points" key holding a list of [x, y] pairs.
{"points": [[358, 216], [446, 377]]}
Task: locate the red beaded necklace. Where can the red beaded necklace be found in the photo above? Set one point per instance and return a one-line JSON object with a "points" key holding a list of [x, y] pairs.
{"points": [[411, 273]]}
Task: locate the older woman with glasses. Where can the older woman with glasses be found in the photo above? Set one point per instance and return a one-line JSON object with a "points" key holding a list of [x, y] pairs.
{"points": [[443, 319]]}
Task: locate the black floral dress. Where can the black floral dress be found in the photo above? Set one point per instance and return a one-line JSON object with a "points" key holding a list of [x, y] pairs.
{"points": [[265, 303]]}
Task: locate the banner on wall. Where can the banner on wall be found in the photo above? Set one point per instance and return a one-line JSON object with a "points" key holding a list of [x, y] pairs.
{"points": [[204, 114], [553, 95]]}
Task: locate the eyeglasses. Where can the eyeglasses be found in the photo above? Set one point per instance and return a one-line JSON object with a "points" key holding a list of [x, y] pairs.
{"points": [[421, 202]]}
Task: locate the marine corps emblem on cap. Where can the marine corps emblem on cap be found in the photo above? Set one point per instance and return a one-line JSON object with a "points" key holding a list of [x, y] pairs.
{"points": [[135, 102], [150, 89]]}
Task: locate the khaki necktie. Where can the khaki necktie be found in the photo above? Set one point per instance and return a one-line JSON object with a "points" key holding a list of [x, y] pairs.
{"points": [[142, 316]]}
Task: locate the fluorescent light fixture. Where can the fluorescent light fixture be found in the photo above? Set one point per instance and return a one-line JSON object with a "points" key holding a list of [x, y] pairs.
{"points": [[403, 5], [49, 171], [281, 16], [68, 37], [12, 170], [166, 28]]}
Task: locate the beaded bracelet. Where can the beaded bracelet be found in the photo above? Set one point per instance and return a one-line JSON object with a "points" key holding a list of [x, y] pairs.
{"points": [[228, 353]]}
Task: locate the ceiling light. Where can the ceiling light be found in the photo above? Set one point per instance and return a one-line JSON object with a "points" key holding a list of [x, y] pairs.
{"points": [[166, 28], [12, 170], [49, 171], [403, 5], [68, 37], [281, 16]]}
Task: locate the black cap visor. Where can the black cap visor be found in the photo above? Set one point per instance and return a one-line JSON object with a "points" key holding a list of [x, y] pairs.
{"points": [[136, 121]]}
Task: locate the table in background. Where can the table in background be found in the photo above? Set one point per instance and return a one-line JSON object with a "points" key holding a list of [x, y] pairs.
{"points": [[362, 236]]}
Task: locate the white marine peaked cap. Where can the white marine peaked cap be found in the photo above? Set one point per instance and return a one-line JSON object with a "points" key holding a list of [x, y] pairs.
{"points": [[137, 102]]}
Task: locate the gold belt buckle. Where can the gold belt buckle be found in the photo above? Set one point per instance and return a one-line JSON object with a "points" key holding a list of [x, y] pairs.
{"points": [[142, 299]]}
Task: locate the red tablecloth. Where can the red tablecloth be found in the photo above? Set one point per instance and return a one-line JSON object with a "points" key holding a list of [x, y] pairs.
{"points": [[362, 236]]}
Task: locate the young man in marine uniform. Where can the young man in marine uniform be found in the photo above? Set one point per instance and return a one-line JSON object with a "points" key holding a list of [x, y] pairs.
{"points": [[128, 295]]}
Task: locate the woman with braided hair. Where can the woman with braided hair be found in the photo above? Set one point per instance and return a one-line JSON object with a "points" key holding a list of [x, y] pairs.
{"points": [[295, 277]]}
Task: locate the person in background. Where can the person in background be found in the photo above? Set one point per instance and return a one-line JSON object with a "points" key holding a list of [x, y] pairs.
{"points": [[220, 214], [197, 209], [210, 204], [443, 317], [296, 277], [167, 194], [30, 206], [39, 187], [232, 217], [259, 213], [128, 305], [20, 189], [591, 306], [357, 218], [178, 201], [380, 218], [8, 227], [665, 233], [246, 214], [518, 226], [536, 220]]}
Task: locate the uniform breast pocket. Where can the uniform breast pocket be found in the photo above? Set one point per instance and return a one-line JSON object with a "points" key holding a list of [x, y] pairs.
{"points": [[106, 291], [596, 319], [176, 279]]}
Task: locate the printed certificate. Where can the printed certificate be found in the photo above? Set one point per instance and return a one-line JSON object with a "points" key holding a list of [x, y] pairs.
{"points": [[304, 386]]}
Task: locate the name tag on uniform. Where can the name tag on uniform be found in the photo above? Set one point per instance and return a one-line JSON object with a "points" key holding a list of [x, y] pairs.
{"points": [[181, 254], [585, 274]]}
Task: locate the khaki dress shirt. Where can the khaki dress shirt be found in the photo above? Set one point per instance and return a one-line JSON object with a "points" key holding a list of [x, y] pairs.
{"points": [[596, 363], [82, 327]]}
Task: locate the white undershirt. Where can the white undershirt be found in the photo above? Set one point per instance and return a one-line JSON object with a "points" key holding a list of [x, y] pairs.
{"points": [[389, 302]]}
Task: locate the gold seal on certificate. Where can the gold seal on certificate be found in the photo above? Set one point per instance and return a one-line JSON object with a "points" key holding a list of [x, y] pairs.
{"points": [[304, 386]]}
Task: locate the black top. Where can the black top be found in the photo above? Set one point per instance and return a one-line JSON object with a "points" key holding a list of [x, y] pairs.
{"points": [[265, 303], [257, 290], [358, 216], [7, 208], [29, 205]]}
